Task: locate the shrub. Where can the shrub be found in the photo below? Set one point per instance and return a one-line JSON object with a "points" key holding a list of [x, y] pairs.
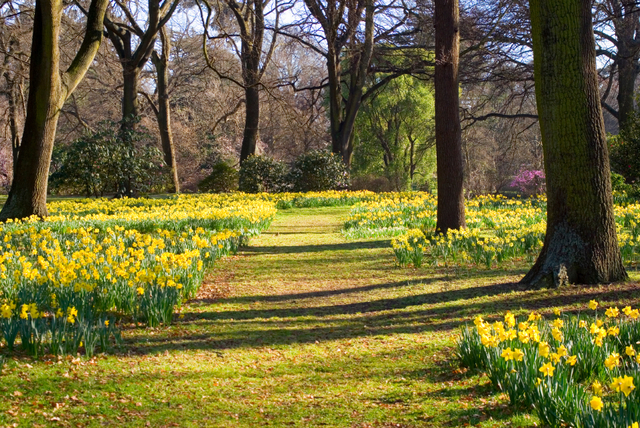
{"points": [[529, 182], [319, 170], [623, 152], [263, 174], [109, 160], [223, 178], [372, 183]]}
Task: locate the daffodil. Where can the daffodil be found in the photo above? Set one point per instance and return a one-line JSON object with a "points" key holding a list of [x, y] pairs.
{"points": [[562, 351], [507, 354], [596, 403], [509, 319], [612, 312], [544, 349], [622, 384], [547, 369], [596, 387], [593, 305], [517, 354], [612, 361]]}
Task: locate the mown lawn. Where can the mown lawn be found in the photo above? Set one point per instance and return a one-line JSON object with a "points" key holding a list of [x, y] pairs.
{"points": [[304, 328]]}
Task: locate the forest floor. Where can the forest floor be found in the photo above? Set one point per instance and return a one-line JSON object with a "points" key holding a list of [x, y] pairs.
{"points": [[303, 328]]}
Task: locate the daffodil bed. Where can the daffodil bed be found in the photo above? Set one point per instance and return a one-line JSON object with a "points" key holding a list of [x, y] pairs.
{"points": [[498, 229], [66, 280], [574, 370]]}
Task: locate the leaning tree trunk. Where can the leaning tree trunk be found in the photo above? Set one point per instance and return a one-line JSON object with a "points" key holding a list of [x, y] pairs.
{"points": [[164, 113], [47, 93], [580, 245], [14, 99], [450, 165]]}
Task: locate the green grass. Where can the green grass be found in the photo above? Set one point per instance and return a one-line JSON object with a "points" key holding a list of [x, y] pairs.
{"points": [[303, 328]]}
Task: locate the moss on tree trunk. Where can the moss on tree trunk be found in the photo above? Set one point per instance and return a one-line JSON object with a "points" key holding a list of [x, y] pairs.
{"points": [[580, 244]]}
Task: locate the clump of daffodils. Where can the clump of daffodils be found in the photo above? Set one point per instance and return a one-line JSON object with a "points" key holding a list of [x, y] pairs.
{"points": [[581, 369], [63, 279]]}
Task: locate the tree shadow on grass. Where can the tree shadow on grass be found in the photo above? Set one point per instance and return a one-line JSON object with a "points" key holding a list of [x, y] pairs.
{"points": [[347, 246], [365, 306], [293, 297], [288, 326]]}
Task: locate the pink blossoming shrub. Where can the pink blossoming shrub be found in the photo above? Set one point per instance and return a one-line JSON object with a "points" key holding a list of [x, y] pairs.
{"points": [[530, 182]]}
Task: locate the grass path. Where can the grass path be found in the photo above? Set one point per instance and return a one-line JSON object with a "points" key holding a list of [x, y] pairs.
{"points": [[303, 328]]}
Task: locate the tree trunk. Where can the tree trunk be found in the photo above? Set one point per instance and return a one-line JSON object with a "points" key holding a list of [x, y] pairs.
{"points": [[251, 123], [625, 22], [450, 165], [627, 73], [28, 192], [47, 93], [164, 113], [343, 121], [130, 106], [580, 245], [335, 100], [14, 99]]}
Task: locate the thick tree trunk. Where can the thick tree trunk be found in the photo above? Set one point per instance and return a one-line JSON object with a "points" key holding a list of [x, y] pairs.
{"points": [[450, 164], [580, 244], [251, 122], [28, 192], [164, 113], [47, 93], [130, 106]]}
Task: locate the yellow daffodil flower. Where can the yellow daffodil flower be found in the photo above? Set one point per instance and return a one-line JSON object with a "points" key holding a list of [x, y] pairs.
{"points": [[596, 403], [547, 369], [612, 361]]}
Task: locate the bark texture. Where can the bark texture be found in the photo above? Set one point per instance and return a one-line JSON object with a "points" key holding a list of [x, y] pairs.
{"points": [[251, 122], [47, 93], [163, 111], [580, 244], [450, 164]]}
